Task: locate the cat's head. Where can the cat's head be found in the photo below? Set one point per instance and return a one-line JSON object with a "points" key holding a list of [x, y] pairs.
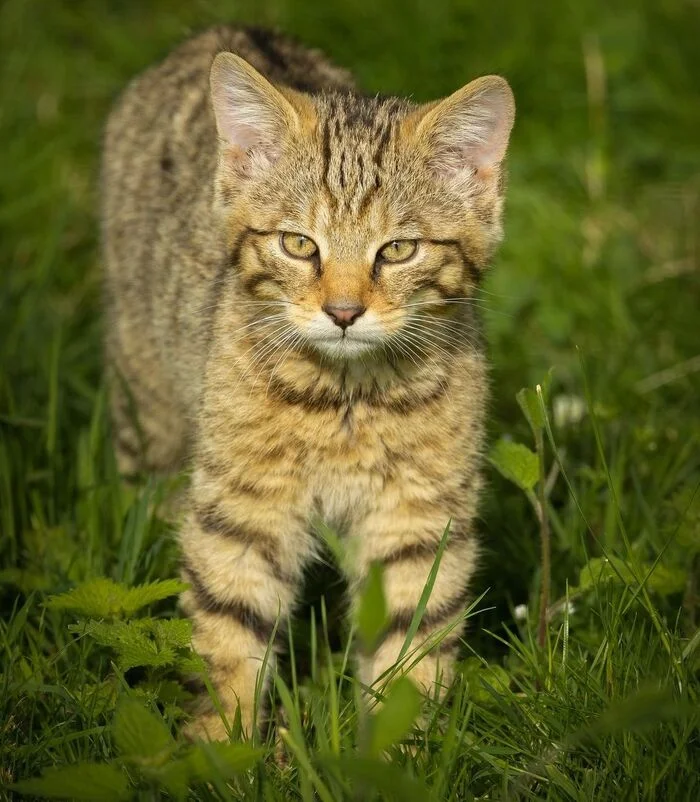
{"points": [[368, 219]]}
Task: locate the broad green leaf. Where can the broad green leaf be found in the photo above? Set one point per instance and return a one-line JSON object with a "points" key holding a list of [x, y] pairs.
{"points": [[396, 715], [210, 761], [604, 569], [641, 711], [666, 579], [530, 405], [663, 579], [95, 782], [105, 598], [390, 780], [516, 462], [140, 734], [372, 616], [486, 683]]}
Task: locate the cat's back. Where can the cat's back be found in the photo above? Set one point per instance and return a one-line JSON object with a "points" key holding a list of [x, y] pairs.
{"points": [[160, 244]]}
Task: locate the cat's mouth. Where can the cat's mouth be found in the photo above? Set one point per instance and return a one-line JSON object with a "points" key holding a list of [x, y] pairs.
{"points": [[345, 346]]}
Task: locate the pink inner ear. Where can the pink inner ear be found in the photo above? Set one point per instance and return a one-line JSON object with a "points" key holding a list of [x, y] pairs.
{"points": [[471, 129]]}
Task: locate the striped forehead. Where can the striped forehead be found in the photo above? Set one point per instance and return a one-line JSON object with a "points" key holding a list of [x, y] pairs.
{"points": [[357, 138]]}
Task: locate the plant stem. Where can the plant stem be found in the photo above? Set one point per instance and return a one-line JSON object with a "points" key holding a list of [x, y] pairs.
{"points": [[545, 544]]}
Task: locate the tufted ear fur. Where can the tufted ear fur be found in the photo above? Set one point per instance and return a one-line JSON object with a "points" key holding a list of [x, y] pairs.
{"points": [[252, 117], [467, 133]]}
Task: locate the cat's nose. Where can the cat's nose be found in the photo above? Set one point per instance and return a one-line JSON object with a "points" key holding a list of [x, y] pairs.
{"points": [[343, 314]]}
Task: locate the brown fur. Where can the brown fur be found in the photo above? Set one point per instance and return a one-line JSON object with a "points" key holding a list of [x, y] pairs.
{"points": [[211, 333]]}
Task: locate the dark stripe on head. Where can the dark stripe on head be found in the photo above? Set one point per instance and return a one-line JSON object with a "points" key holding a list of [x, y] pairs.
{"points": [[326, 155], [382, 145], [231, 608], [252, 282], [472, 270]]}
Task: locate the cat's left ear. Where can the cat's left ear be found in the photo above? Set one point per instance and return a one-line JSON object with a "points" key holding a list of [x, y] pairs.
{"points": [[467, 133], [253, 118]]}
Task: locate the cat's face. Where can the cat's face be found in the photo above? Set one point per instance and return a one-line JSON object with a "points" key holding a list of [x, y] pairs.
{"points": [[362, 222]]}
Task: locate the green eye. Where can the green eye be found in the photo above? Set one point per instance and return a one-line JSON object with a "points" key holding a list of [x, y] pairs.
{"points": [[297, 245], [398, 250]]}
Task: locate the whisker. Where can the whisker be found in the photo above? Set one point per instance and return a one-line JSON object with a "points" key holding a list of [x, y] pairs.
{"points": [[451, 325], [274, 318], [468, 302], [439, 335], [289, 335], [298, 339], [262, 347], [420, 340]]}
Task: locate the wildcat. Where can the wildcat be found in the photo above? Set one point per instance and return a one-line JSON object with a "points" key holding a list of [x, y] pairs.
{"points": [[289, 269]]}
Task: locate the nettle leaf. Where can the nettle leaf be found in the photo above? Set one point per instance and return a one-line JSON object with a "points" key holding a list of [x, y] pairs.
{"points": [[95, 782], [140, 734], [372, 615], [392, 781], [144, 642], [206, 762], [396, 715], [516, 462], [143, 595], [105, 598], [99, 598], [663, 579]]}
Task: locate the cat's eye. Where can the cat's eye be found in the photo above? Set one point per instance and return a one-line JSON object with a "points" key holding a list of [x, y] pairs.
{"points": [[297, 245], [398, 250]]}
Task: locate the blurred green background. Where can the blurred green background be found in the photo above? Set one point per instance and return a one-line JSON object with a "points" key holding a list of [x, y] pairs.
{"points": [[598, 278]]}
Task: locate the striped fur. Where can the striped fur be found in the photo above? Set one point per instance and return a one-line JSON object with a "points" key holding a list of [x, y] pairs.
{"points": [[222, 358]]}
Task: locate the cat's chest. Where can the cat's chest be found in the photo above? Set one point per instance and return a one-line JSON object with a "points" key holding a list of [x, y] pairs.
{"points": [[354, 456]]}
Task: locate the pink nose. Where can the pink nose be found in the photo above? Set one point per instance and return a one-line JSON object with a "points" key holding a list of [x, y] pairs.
{"points": [[343, 315]]}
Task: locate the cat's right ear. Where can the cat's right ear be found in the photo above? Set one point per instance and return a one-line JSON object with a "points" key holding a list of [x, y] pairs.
{"points": [[252, 117]]}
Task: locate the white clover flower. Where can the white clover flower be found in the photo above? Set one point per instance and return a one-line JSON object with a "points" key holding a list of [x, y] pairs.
{"points": [[520, 612], [568, 409]]}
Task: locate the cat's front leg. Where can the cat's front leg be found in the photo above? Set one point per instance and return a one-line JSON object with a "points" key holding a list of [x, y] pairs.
{"points": [[404, 536], [243, 553]]}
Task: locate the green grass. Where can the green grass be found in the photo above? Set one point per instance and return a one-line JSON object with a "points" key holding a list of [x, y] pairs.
{"points": [[599, 278]]}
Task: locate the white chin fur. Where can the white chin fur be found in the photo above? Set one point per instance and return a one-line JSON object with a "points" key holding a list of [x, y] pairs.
{"points": [[343, 347], [364, 336]]}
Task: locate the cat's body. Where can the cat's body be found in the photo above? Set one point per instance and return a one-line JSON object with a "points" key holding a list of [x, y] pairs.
{"points": [[308, 374]]}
